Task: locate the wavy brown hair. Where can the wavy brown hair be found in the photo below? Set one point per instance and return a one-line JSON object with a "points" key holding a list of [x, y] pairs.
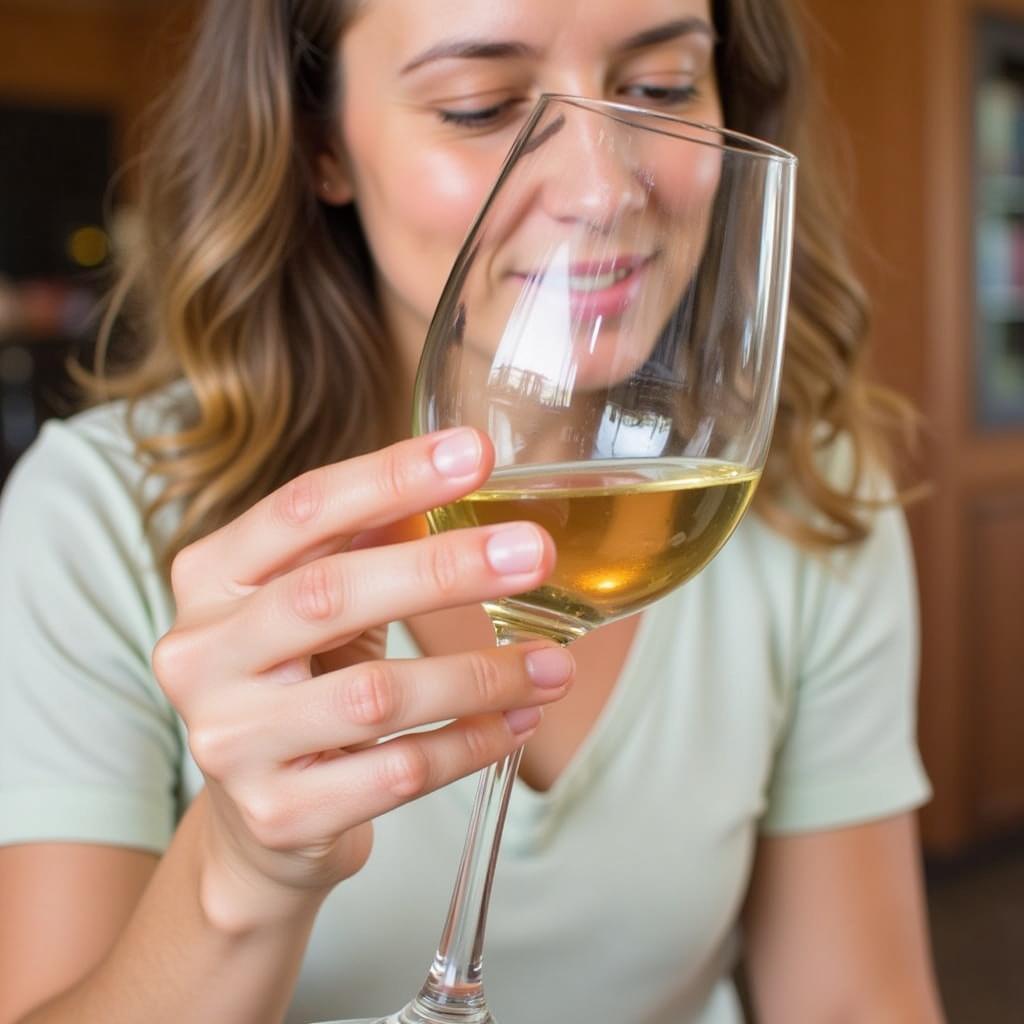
{"points": [[262, 299]]}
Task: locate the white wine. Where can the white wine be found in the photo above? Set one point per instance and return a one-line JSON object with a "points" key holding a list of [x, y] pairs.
{"points": [[626, 531]]}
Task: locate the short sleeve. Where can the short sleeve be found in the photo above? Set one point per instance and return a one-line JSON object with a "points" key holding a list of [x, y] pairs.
{"points": [[848, 753], [89, 747]]}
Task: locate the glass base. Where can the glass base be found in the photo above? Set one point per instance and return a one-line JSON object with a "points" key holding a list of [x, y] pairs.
{"points": [[416, 1018], [417, 1013]]}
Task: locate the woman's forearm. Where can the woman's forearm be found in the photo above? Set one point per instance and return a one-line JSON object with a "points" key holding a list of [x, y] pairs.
{"points": [[174, 963]]}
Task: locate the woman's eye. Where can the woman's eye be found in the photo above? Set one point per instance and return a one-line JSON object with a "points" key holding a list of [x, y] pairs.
{"points": [[665, 95], [482, 118]]}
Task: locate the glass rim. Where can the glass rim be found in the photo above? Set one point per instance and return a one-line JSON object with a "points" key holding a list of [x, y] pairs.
{"points": [[749, 145]]}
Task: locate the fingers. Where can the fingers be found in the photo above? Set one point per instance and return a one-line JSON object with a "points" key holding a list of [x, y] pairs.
{"points": [[333, 796], [365, 702], [327, 506], [327, 602]]}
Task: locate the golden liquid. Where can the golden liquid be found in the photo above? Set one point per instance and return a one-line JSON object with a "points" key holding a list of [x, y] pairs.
{"points": [[626, 532]]}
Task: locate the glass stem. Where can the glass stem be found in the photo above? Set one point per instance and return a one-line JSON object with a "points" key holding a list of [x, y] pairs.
{"points": [[454, 988]]}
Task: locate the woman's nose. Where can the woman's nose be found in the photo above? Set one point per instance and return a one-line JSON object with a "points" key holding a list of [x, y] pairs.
{"points": [[593, 176]]}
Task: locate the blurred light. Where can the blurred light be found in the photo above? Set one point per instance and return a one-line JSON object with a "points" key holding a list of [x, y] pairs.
{"points": [[88, 247]]}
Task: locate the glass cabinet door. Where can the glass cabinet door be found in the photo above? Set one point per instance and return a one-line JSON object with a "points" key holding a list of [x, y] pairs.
{"points": [[999, 223]]}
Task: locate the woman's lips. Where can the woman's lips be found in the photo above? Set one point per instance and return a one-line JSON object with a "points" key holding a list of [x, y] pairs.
{"points": [[600, 288]]}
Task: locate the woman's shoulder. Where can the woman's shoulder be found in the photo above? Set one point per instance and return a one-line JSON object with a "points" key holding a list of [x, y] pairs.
{"points": [[114, 428], [110, 431], [89, 464]]}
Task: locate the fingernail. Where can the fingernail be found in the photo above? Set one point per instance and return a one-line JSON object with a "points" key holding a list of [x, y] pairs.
{"points": [[549, 667], [515, 550], [523, 719], [458, 455]]}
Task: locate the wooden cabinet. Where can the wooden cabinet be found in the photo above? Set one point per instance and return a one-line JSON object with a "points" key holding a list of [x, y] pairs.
{"points": [[997, 109], [996, 637], [903, 78]]}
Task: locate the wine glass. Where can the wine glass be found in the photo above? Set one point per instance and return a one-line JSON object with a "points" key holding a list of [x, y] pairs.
{"points": [[614, 323]]}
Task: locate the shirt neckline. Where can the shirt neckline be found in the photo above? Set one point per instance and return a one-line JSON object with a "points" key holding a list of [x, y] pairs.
{"points": [[533, 815]]}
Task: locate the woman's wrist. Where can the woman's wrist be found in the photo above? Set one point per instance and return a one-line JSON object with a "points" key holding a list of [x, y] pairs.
{"points": [[235, 899]]}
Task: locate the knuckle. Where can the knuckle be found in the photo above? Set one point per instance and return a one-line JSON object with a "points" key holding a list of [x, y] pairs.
{"points": [[406, 771], [184, 567], [487, 678], [211, 748], [315, 598], [270, 820], [371, 697], [480, 745], [171, 661], [442, 567], [395, 474], [300, 500]]}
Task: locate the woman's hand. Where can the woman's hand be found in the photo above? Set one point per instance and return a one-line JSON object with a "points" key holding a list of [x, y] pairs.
{"points": [[275, 663]]}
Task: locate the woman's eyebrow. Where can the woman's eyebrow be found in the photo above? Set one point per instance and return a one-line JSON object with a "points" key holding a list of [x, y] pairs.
{"points": [[666, 33], [479, 49], [470, 49]]}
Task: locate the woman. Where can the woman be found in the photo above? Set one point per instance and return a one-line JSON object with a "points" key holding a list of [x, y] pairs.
{"points": [[192, 840]]}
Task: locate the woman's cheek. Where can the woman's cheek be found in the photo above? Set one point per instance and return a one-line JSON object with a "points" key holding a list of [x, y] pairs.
{"points": [[451, 188], [432, 204]]}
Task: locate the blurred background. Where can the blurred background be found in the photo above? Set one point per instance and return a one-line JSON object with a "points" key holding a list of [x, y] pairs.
{"points": [[929, 97]]}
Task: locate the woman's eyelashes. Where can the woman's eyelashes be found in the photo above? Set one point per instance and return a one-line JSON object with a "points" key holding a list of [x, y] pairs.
{"points": [[660, 95], [480, 117], [498, 114]]}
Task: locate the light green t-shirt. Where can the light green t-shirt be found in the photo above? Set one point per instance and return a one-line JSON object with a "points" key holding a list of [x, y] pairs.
{"points": [[774, 693]]}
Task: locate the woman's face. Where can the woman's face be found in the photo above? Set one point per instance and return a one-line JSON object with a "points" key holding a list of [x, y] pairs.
{"points": [[434, 93]]}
